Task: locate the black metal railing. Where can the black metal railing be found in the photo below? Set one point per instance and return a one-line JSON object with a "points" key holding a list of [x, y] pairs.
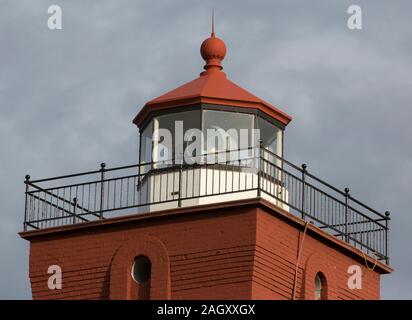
{"points": [[213, 177]]}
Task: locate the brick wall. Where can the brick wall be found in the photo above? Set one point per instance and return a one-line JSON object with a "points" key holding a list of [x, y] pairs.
{"points": [[238, 251], [211, 256], [277, 245]]}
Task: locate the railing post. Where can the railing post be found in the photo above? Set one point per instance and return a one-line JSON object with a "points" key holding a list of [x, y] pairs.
{"points": [[346, 213], [387, 218], [102, 170], [259, 168], [304, 166], [74, 209], [179, 201], [27, 177]]}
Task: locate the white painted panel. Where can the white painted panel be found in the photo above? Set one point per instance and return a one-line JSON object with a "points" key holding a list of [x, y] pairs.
{"points": [[203, 185]]}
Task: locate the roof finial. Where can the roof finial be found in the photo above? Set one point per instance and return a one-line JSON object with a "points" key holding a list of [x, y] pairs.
{"points": [[213, 22], [213, 51]]}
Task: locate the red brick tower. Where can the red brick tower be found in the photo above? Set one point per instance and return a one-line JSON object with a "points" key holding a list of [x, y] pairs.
{"points": [[240, 222]]}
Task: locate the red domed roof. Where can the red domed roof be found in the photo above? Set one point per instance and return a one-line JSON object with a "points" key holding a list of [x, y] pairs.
{"points": [[212, 87]]}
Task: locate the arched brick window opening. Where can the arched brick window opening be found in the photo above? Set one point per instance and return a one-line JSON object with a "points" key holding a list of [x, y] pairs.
{"points": [[127, 278], [319, 265], [141, 274], [321, 287]]}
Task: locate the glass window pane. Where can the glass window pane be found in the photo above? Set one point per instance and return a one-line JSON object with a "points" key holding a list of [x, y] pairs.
{"points": [[271, 136], [227, 128], [146, 144], [176, 124]]}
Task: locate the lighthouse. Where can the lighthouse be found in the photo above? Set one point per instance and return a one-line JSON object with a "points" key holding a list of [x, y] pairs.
{"points": [[211, 210]]}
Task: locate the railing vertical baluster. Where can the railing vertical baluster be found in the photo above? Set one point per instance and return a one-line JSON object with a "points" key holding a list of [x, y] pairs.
{"points": [[226, 183], [88, 197], [121, 192], [200, 177], [27, 177], [134, 190], [304, 166], [138, 187], [62, 210], [107, 199], [167, 184], [387, 218], [74, 209], [186, 194], [149, 183], [219, 170], [83, 201], [37, 214], [216, 159], [346, 213], [102, 170], [114, 193], [239, 171], [50, 205], [127, 192], [95, 198], [56, 209], [153, 184], [76, 196], [193, 181], [179, 201]]}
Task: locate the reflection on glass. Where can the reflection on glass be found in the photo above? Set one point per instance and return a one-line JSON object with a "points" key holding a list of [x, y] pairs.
{"points": [[225, 131], [271, 136], [169, 142]]}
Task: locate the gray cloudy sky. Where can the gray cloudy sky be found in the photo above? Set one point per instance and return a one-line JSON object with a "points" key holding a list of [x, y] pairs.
{"points": [[68, 97]]}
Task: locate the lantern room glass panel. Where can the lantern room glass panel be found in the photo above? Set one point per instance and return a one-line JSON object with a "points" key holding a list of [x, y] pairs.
{"points": [[271, 136], [225, 131], [169, 136], [146, 144]]}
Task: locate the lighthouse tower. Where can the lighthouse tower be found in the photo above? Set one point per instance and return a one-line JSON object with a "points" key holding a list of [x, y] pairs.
{"points": [[212, 210]]}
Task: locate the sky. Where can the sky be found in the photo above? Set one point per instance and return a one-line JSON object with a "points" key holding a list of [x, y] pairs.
{"points": [[68, 97]]}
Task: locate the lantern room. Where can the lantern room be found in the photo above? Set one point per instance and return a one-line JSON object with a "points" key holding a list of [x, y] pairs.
{"points": [[201, 142]]}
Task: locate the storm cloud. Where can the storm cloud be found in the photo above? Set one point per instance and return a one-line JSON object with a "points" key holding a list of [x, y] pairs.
{"points": [[68, 97]]}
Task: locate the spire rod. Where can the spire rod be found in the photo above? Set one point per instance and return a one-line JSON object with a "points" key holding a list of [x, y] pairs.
{"points": [[213, 22]]}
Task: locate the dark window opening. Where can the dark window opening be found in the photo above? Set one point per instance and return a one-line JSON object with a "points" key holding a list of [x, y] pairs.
{"points": [[141, 274]]}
